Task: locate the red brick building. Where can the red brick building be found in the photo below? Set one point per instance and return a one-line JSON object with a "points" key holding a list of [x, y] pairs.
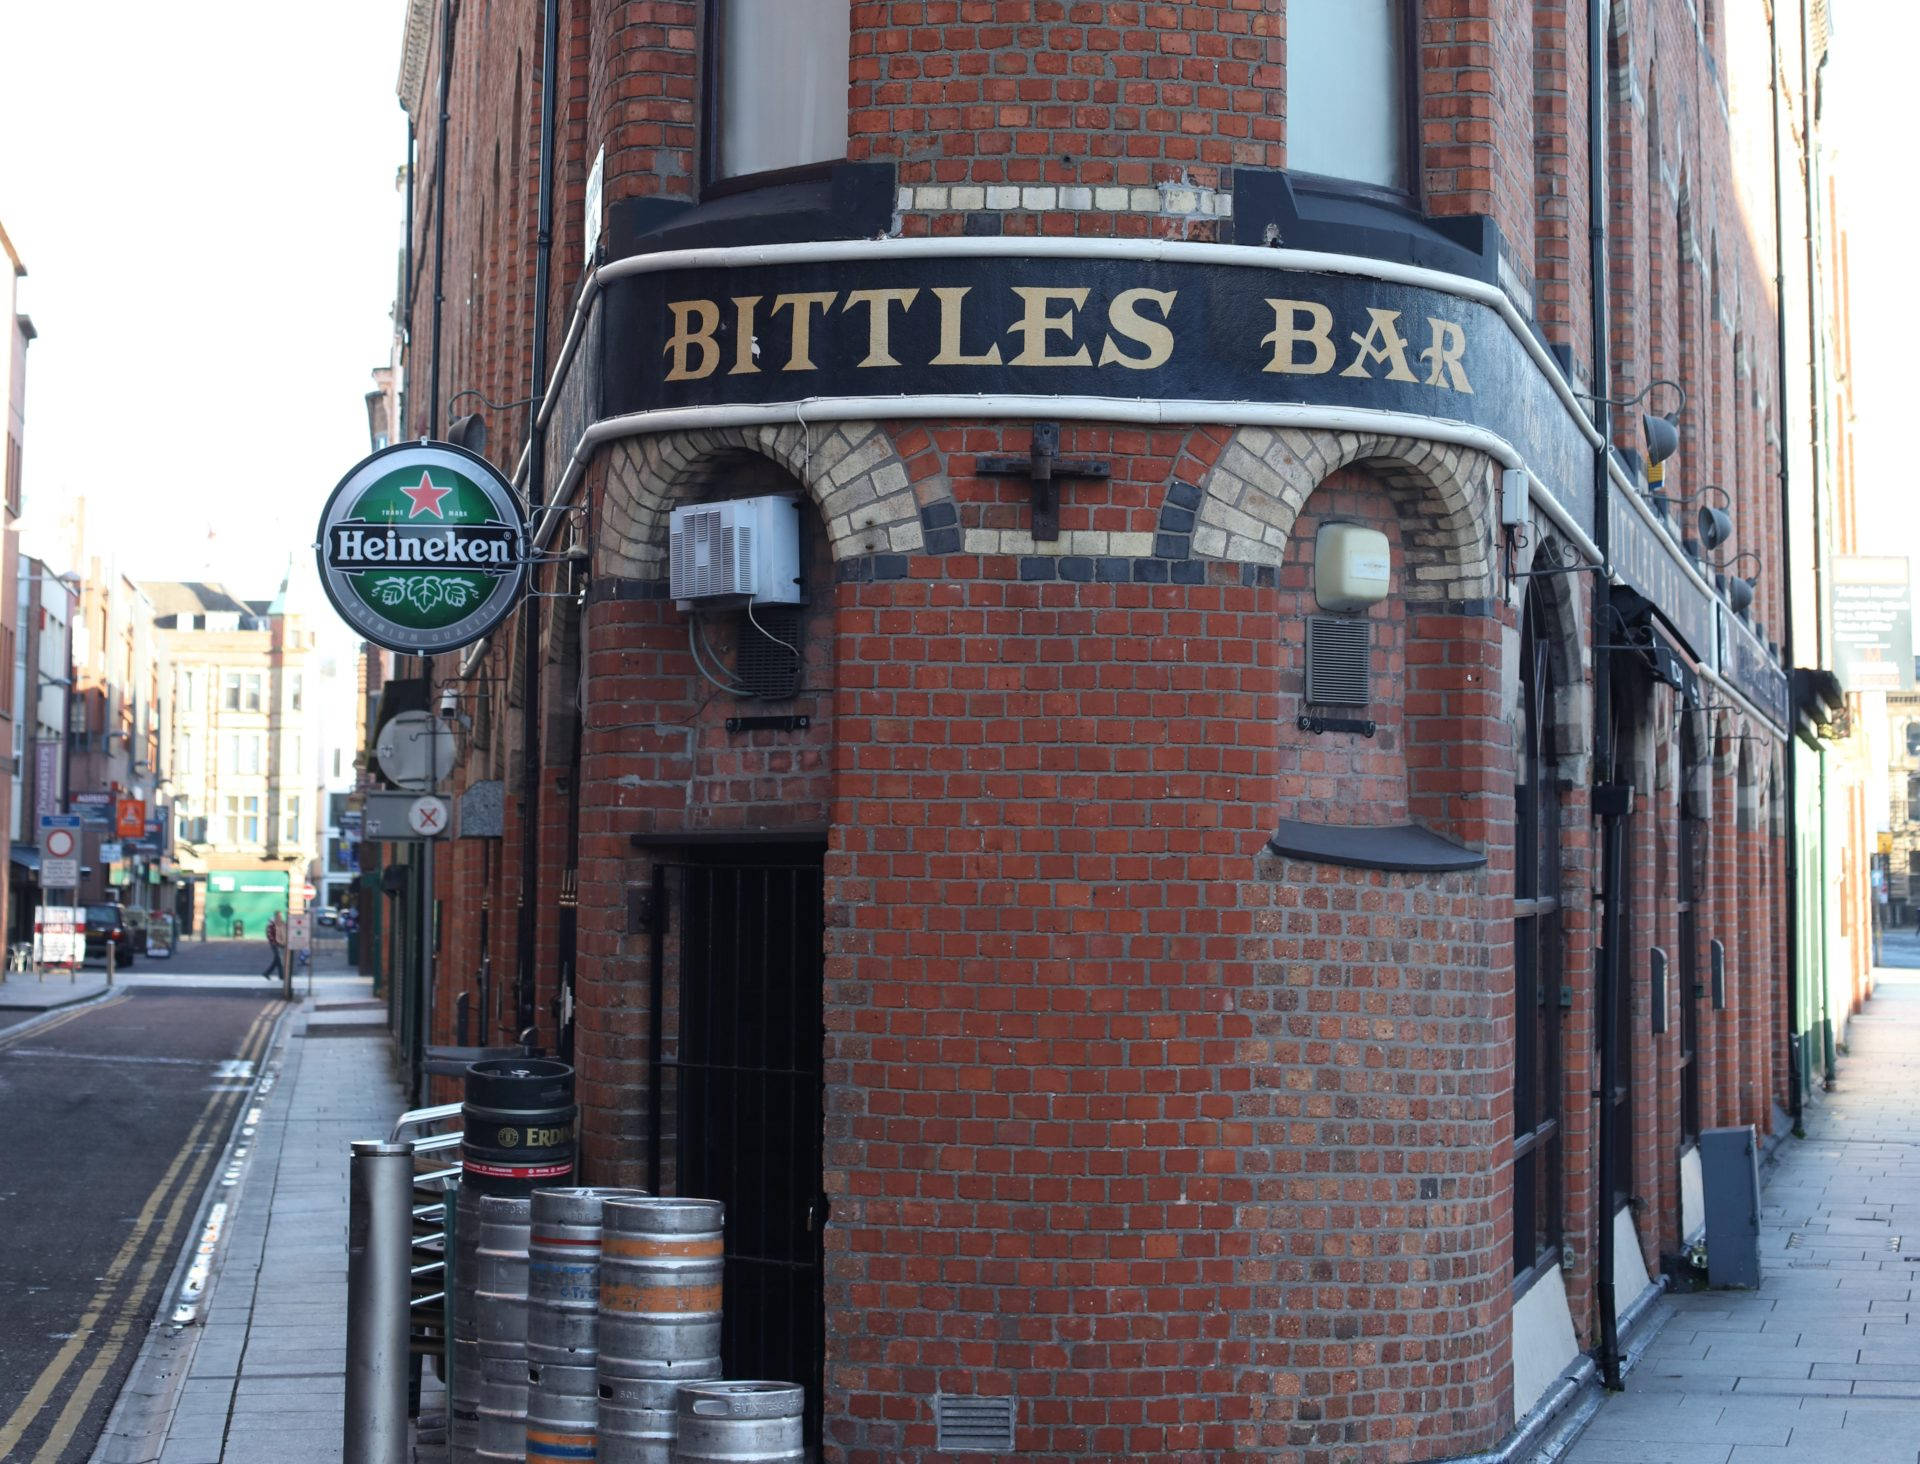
{"points": [[1118, 917]]}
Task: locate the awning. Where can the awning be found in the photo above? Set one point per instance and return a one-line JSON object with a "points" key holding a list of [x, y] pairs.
{"points": [[1819, 706], [27, 857]]}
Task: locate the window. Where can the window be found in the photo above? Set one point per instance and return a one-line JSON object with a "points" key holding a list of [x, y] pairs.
{"points": [[243, 752], [1913, 739], [13, 475], [252, 700], [1348, 86], [778, 74], [292, 835], [232, 697], [298, 689], [1536, 962], [243, 820], [189, 692], [1688, 855], [184, 755]]}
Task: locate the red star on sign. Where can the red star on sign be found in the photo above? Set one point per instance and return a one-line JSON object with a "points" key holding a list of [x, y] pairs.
{"points": [[426, 498]]}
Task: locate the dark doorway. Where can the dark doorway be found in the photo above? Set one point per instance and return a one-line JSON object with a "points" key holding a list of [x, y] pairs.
{"points": [[736, 1067]]}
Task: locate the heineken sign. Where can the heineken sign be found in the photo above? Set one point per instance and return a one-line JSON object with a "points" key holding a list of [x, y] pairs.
{"points": [[423, 548]]}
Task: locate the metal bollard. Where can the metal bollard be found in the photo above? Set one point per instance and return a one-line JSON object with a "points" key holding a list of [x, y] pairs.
{"points": [[379, 1274]]}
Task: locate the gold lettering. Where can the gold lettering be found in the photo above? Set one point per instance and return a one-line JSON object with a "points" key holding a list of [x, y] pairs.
{"points": [[879, 321], [952, 303], [1382, 343], [689, 336], [803, 306], [1125, 318], [1449, 345], [1035, 325], [743, 336], [1289, 331]]}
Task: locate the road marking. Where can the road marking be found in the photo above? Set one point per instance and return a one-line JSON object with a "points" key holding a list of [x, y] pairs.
{"points": [[132, 1059], [35, 1402], [34, 1029]]}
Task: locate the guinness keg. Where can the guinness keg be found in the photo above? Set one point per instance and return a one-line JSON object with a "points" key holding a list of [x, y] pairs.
{"points": [[740, 1423], [563, 1274], [562, 1405], [661, 1265], [636, 1420], [502, 1432], [500, 1277], [518, 1117]]}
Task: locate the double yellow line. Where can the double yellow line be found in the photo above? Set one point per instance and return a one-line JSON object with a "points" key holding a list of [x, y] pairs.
{"points": [[202, 1146], [36, 1029]]}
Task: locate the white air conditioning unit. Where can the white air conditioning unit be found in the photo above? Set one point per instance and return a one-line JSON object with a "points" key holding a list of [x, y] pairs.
{"points": [[745, 549]]}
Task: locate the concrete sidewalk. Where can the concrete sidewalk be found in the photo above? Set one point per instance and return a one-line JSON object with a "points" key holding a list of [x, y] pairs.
{"points": [[1822, 1362], [259, 1377]]}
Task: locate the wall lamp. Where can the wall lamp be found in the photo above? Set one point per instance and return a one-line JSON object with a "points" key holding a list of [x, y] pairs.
{"points": [[470, 431], [1714, 524], [1738, 590], [1661, 434]]}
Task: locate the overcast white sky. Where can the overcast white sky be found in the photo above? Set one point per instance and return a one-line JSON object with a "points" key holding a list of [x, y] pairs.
{"points": [[203, 195]]}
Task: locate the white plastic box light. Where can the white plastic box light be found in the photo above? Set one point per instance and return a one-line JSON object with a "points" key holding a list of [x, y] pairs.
{"points": [[739, 550]]}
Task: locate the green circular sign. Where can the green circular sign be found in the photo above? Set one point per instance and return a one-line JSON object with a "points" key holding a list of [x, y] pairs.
{"points": [[423, 548]]}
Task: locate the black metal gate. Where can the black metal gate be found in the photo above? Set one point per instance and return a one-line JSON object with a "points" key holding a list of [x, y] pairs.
{"points": [[736, 1062]]}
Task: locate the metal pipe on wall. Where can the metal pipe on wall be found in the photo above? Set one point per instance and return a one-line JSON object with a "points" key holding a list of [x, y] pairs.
{"points": [[1606, 794], [536, 491]]}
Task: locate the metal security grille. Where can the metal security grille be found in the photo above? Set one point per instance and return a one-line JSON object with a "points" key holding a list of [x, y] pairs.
{"points": [[1339, 653], [970, 1425], [736, 1078]]}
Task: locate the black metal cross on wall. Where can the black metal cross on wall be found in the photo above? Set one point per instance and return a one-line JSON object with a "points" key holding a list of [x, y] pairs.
{"points": [[1043, 467]]}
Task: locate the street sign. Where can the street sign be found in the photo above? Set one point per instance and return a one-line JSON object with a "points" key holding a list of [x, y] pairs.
{"points": [[415, 751], [300, 932], [428, 817], [130, 818], [389, 817], [423, 547], [59, 851]]}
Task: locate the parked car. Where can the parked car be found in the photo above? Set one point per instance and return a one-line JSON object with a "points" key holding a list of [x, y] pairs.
{"points": [[105, 924], [327, 915], [135, 919]]}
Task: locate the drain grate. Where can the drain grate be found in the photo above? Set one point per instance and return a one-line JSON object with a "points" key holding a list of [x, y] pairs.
{"points": [[971, 1425]]}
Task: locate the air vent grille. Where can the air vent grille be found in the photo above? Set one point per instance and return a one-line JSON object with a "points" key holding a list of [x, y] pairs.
{"points": [[970, 1425], [1339, 658], [711, 556], [769, 662]]}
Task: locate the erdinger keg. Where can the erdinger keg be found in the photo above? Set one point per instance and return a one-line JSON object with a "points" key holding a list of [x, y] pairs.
{"points": [[562, 1405], [661, 1263], [740, 1423], [518, 1120], [563, 1274], [636, 1420], [500, 1277]]}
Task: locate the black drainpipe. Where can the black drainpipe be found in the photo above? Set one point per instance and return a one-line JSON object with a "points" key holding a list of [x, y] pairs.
{"points": [[536, 496], [1610, 799], [440, 216], [403, 426], [1795, 1052]]}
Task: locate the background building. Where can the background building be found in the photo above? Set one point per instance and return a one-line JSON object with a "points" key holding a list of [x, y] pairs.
{"points": [[42, 688], [19, 333], [1178, 882], [244, 752]]}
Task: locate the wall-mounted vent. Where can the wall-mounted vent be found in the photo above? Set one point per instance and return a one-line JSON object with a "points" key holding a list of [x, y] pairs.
{"points": [[769, 660], [739, 547], [969, 1425], [1339, 659]]}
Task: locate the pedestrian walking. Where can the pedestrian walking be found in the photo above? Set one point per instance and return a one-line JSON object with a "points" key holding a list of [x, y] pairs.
{"points": [[276, 937]]}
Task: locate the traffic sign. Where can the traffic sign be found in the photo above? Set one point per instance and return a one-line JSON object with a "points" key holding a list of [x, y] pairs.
{"points": [[59, 851], [428, 817]]}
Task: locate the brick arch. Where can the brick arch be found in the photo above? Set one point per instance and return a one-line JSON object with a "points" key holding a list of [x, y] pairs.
{"points": [[1567, 630], [1262, 477], [851, 471]]}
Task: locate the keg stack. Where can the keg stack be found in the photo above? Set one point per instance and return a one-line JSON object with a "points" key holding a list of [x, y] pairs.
{"points": [[563, 1308], [661, 1266], [518, 1134]]}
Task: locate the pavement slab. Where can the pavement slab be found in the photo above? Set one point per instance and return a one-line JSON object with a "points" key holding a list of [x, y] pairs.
{"points": [[1821, 1364]]}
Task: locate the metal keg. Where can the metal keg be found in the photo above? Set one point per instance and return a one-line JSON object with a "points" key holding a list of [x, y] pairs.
{"points": [[562, 1406], [500, 1277], [740, 1423], [563, 1274], [517, 1125], [661, 1265], [636, 1420], [463, 1401], [502, 1432], [466, 1259]]}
